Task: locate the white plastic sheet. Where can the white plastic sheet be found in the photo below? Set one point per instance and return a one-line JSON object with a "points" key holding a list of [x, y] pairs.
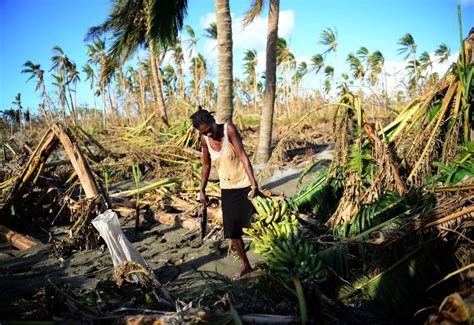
{"points": [[119, 246]]}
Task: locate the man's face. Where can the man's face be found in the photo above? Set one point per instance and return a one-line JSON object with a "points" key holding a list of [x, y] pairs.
{"points": [[205, 129]]}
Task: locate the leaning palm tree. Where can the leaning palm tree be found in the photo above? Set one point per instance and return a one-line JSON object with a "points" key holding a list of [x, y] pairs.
{"points": [[250, 68], [302, 71], [443, 52], [328, 38], [225, 75], [358, 71], [136, 23], [317, 63], [266, 122], [90, 76], [35, 71], [408, 47], [426, 63], [413, 69]]}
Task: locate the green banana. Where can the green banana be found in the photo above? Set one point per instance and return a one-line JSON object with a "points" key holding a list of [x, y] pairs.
{"points": [[283, 207]]}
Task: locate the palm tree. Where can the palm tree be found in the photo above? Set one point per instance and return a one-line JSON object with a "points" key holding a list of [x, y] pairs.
{"points": [[61, 93], [169, 76], [426, 63], [137, 23], [90, 75], [301, 71], [250, 68], [377, 66], [285, 59], [329, 38], [329, 73], [266, 122], [10, 115], [364, 55], [355, 65], [35, 71], [73, 79], [97, 56], [192, 49], [178, 58], [209, 92], [225, 75], [199, 67], [413, 69], [443, 52], [18, 113], [62, 66], [409, 48], [317, 63]]}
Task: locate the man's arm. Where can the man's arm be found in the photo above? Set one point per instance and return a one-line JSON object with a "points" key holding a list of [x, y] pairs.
{"points": [[236, 140], [206, 168]]}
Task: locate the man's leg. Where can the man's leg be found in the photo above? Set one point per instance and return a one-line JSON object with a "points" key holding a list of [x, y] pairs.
{"points": [[245, 267]]}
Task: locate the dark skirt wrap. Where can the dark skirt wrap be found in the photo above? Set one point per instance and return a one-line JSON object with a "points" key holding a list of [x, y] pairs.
{"points": [[237, 211]]}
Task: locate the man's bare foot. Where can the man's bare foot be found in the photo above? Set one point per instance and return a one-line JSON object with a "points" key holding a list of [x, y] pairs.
{"points": [[243, 271]]}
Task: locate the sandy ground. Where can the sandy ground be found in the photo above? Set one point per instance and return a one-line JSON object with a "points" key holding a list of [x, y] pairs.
{"points": [[189, 268]]}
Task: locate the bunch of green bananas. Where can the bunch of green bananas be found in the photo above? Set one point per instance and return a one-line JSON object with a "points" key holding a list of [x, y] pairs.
{"points": [[275, 234], [270, 210]]}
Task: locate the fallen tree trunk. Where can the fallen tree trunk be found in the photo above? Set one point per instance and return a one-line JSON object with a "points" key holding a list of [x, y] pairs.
{"points": [[79, 164], [18, 240], [31, 171], [177, 219]]}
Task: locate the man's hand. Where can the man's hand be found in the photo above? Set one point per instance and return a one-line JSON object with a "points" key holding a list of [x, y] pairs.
{"points": [[202, 197], [253, 192]]}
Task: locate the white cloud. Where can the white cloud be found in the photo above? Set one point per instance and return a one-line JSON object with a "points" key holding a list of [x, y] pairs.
{"points": [[254, 36]]}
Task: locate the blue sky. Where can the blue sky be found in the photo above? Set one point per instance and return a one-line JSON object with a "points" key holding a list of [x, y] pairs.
{"points": [[30, 28]]}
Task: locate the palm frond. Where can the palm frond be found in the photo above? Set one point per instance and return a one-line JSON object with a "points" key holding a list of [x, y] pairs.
{"points": [[255, 9], [400, 283], [166, 19]]}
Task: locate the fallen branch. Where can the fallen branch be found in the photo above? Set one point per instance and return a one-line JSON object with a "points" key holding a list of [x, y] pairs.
{"points": [[450, 217], [18, 240], [149, 187]]}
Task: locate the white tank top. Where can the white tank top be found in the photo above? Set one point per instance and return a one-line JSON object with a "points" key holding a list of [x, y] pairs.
{"points": [[231, 171]]}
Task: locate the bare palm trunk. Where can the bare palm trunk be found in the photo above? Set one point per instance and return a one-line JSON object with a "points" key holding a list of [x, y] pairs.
{"points": [[113, 110], [158, 87], [225, 77], [181, 83], [125, 99], [266, 122], [141, 86], [104, 106], [72, 107], [416, 72], [286, 90], [255, 91]]}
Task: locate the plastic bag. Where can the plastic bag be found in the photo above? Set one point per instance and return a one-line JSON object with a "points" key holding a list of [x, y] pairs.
{"points": [[119, 246]]}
